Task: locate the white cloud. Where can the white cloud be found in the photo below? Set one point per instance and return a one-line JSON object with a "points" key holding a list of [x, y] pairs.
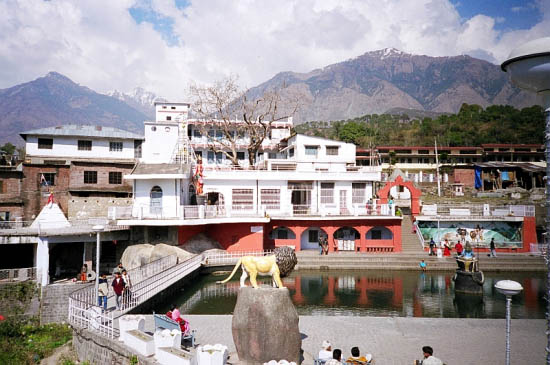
{"points": [[98, 44]]}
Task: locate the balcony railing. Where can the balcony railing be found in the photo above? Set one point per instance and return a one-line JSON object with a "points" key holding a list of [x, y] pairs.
{"points": [[189, 212], [23, 274], [480, 210], [14, 226]]}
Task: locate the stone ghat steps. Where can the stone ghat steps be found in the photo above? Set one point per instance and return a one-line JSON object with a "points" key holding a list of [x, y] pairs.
{"points": [[410, 262]]}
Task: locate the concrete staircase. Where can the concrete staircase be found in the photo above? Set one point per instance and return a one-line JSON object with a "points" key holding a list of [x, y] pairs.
{"points": [[311, 260], [410, 241]]}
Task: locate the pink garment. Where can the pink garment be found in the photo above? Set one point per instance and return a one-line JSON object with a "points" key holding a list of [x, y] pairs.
{"points": [[176, 314]]}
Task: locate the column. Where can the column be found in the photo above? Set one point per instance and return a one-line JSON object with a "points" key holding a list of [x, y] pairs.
{"points": [[43, 261]]}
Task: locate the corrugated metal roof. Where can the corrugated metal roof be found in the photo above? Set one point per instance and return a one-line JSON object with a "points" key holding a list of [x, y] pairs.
{"points": [[529, 167], [75, 130]]}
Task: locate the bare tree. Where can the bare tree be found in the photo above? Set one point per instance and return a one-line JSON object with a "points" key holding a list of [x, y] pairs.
{"points": [[244, 121]]}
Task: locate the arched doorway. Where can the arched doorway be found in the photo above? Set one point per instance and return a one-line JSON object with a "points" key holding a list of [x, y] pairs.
{"points": [[155, 203], [282, 233], [413, 191], [192, 195], [379, 233], [310, 238], [344, 238]]}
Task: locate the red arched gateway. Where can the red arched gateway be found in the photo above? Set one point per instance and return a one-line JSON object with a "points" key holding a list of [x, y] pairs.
{"points": [[415, 193]]}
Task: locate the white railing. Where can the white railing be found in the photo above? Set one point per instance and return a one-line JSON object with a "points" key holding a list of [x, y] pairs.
{"points": [[419, 235], [539, 249], [230, 258], [39, 227], [23, 274], [142, 272], [478, 210], [85, 313]]}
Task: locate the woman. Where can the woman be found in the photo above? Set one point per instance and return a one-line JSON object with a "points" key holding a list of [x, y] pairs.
{"points": [[84, 273], [127, 287], [175, 315], [447, 248]]}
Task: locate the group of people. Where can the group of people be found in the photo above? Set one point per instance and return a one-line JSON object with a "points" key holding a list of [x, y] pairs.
{"points": [[175, 315], [461, 250], [122, 287], [334, 357]]}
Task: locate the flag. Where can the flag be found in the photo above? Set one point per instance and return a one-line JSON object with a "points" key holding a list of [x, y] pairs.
{"points": [[43, 181], [50, 200]]}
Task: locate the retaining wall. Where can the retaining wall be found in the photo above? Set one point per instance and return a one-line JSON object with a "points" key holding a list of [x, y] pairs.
{"points": [[54, 306]]}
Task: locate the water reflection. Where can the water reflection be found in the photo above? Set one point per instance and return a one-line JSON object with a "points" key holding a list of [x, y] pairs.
{"points": [[377, 293]]}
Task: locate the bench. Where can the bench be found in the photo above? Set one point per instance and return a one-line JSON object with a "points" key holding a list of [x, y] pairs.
{"points": [[162, 321]]}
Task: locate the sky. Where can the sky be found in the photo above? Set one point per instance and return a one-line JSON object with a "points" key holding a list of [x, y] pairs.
{"points": [[166, 45]]}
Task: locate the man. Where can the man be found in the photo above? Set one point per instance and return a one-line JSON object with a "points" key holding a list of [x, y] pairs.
{"points": [[432, 246], [336, 358], [118, 269], [118, 285], [103, 291], [356, 357], [493, 248], [429, 359], [459, 248], [326, 351], [423, 266]]}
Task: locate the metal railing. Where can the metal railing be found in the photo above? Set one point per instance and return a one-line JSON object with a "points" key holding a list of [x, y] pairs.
{"points": [[39, 227], [478, 210], [539, 249], [22, 274], [85, 313], [230, 258], [142, 272], [419, 235]]}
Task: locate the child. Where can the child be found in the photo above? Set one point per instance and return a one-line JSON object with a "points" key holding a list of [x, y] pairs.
{"points": [[423, 265]]}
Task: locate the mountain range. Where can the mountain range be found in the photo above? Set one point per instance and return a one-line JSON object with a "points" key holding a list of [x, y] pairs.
{"points": [[381, 80], [374, 82]]}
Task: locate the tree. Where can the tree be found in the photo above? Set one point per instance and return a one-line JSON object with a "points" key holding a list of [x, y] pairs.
{"points": [[244, 120], [8, 148]]}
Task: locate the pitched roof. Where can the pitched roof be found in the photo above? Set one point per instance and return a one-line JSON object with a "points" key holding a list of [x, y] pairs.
{"points": [[75, 130]]}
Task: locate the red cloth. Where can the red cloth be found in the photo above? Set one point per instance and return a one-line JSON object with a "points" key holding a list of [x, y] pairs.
{"points": [[184, 325]]}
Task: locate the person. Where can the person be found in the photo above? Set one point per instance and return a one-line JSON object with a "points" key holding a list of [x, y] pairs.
{"points": [[492, 246], [326, 351], [429, 359], [356, 357], [447, 248], [127, 286], [468, 253], [458, 248], [325, 245], [118, 287], [336, 358], [118, 269], [175, 315], [390, 205], [321, 249], [432, 246], [103, 292], [423, 265], [84, 273]]}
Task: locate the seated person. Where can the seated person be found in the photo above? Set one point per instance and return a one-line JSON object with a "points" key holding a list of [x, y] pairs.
{"points": [[468, 253], [356, 357], [175, 315], [326, 351]]}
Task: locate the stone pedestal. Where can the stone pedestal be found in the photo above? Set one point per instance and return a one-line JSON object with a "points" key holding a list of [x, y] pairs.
{"points": [[265, 326]]}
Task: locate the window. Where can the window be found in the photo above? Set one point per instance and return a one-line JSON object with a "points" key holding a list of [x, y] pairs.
{"points": [[327, 193], [1, 187], [167, 129], [219, 134], [4, 216], [90, 177], [282, 234], [314, 236], [197, 133], [168, 118], [137, 148], [115, 177], [211, 133], [115, 146], [423, 152], [215, 157], [358, 193], [311, 151], [240, 156], [332, 150], [198, 154], [272, 155], [376, 234], [84, 145], [47, 179], [173, 108], [242, 199], [45, 143], [270, 198], [291, 152]]}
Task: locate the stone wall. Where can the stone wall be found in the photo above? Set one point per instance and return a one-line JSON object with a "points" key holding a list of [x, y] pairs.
{"points": [[102, 169], [54, 306], [96, 349], [20, 298], [93, 207]]}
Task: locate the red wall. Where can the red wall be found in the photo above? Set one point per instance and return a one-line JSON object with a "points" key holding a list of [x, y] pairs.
{"points": [[529, 233], [185, 233], [231, 236]]}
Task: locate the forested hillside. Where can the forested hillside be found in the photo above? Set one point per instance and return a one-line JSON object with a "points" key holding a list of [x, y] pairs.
{"points": [[472, 126]]}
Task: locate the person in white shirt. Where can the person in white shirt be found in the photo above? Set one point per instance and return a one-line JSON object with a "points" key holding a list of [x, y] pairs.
{"points": [[429, 359], [326, 351], [336, 358]]}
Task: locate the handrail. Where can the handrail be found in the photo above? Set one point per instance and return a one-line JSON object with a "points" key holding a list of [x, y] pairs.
{"points": [[419, 234]]}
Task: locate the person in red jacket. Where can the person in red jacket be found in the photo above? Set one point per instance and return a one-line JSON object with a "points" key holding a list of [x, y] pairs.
{"points": [[118, 285]]}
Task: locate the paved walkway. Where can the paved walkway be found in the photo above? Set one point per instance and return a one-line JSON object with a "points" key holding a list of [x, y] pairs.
{"points": [[397, 340]]}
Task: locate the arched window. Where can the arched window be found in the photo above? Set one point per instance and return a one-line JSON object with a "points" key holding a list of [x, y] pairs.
{"points": [[379, 233], [282, 233], [155, 206]]}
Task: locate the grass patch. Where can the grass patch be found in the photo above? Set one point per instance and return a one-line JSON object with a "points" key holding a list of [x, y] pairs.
{"points": [[26, 342]]}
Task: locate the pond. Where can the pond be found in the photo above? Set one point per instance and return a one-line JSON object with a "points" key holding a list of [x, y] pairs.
{"points": [[375, 293]]}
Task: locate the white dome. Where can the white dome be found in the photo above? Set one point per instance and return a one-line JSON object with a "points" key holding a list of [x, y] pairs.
{"points": [[529, 65]]}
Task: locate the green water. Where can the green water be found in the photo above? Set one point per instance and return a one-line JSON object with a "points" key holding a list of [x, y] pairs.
{"points": [[375, 293]]}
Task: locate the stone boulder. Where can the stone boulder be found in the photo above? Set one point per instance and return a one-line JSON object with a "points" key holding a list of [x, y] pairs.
{"points": [[136, 255], [200, 243], [265, 326], [161, 250]]}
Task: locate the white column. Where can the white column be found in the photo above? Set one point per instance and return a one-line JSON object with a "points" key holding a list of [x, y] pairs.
{"points": [[43, 261], [420, 176]]}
